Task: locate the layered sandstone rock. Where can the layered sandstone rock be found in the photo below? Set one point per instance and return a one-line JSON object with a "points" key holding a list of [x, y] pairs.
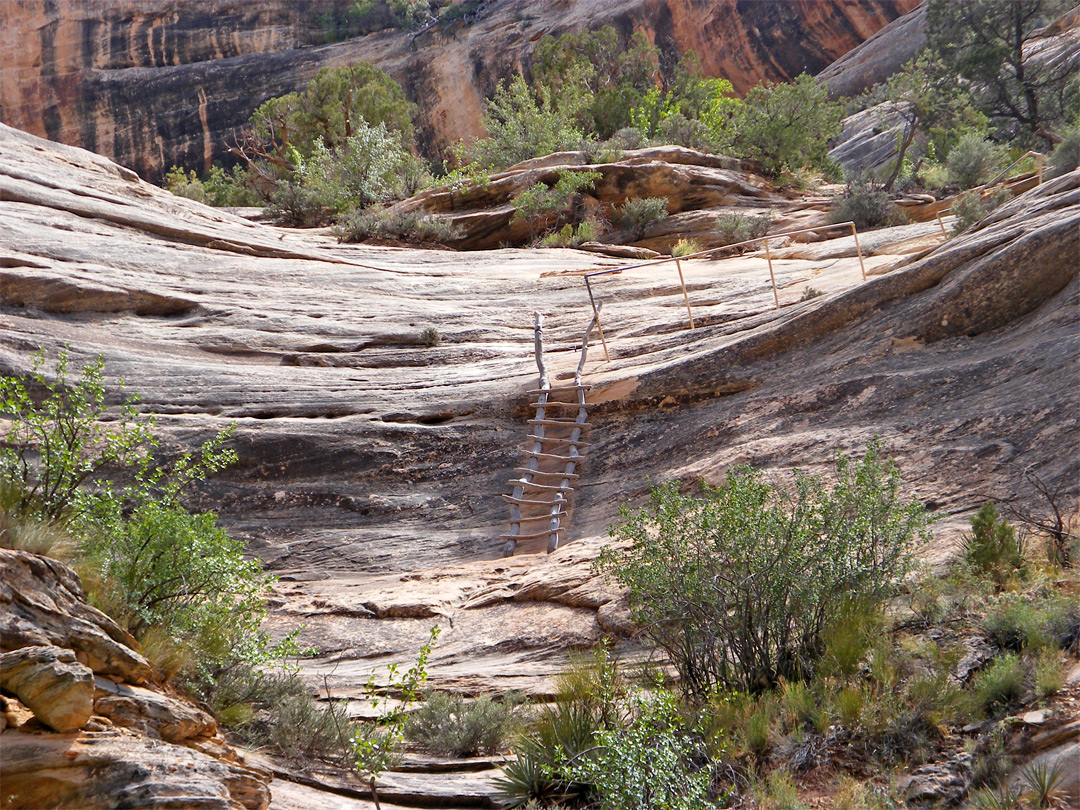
{"points": [[118, 744], [156, 83], [371, 463]]}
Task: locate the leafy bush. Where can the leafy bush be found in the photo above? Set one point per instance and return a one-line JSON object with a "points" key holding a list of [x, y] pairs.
{"points": [[446, 725], [734, 228], [737, 587], [638, 213], [1066, 155], [541, 203], [1001, 684], [58, 442], [787, 126], [973, 160], [221, 187], [651, 764], [991, 548], [370, 166], [570, 235], [866, 204], [685, 247], [429, 336], [1032, 622], [522, 123], [972, 207], [357, 225]]}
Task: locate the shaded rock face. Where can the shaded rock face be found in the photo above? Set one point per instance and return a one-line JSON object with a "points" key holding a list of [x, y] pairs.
{"points": [[878, 58], [156, 83]]}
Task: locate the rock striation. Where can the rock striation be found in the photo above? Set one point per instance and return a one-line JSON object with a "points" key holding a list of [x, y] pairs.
{"points": [[155, 83]]}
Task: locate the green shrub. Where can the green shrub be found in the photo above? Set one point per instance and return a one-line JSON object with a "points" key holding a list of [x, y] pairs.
{"points": [[788, 126], [973, 160], [358, 225], [429, 337], [569, 236], [735, 228], [58, 443], [1000, 685], [1044, 781], [991, 547], [522, 123], [738, 586], [685, 247], [446, 725], [542, 203], [639, 213], [1050, 672], [971, 207], [651, 764], [866, 204], [1066, 155], [1023, 622], [810, 293], [370, 166]]}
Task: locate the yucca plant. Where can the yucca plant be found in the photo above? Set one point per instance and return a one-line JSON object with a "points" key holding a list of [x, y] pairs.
{"points": [[1044, 780]]}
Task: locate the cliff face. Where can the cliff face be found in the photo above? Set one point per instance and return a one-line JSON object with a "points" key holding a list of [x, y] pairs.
{"points": [[155, 82]]}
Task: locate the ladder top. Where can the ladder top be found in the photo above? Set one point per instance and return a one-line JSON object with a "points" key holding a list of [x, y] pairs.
{"points": [[558, 403]]}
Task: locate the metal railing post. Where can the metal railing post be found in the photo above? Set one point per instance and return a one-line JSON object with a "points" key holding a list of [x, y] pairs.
{"points": [[772, 275], [858, 250], [596, 313], [686, 298]]}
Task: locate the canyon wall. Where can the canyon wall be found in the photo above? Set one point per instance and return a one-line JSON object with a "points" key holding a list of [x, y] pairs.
{"points": [[150, 83]]}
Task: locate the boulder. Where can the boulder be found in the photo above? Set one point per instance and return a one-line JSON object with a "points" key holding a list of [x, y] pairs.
{"points": [[42, 603], [939, 783], [51, 683], [153, 713]]}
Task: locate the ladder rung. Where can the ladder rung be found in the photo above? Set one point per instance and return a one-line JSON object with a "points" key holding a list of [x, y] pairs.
{"points": [[558, 440], [530, 485], [546, 472], [558, 389], [554, 456], [560, 423], [526, 501], [530, 535], [559, 404], [535, 518]]}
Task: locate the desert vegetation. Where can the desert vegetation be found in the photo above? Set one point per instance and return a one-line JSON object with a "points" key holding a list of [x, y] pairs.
{"points": [[794, 635], [967, 106]]}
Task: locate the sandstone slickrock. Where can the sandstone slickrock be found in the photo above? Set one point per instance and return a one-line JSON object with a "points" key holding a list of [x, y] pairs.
{"points": [[82, 73], [370, 465], [51, 683], [687, 179], [119, 768], [42, 603]]}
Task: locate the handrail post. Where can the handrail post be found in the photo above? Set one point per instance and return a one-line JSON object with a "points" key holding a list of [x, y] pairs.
{"points": [[941, 224], [858, 250], [686, 298], [596, 314], [772, 275]]}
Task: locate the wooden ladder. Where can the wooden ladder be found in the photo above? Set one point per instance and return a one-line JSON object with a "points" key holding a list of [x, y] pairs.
{"points": [[544, 491]]}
